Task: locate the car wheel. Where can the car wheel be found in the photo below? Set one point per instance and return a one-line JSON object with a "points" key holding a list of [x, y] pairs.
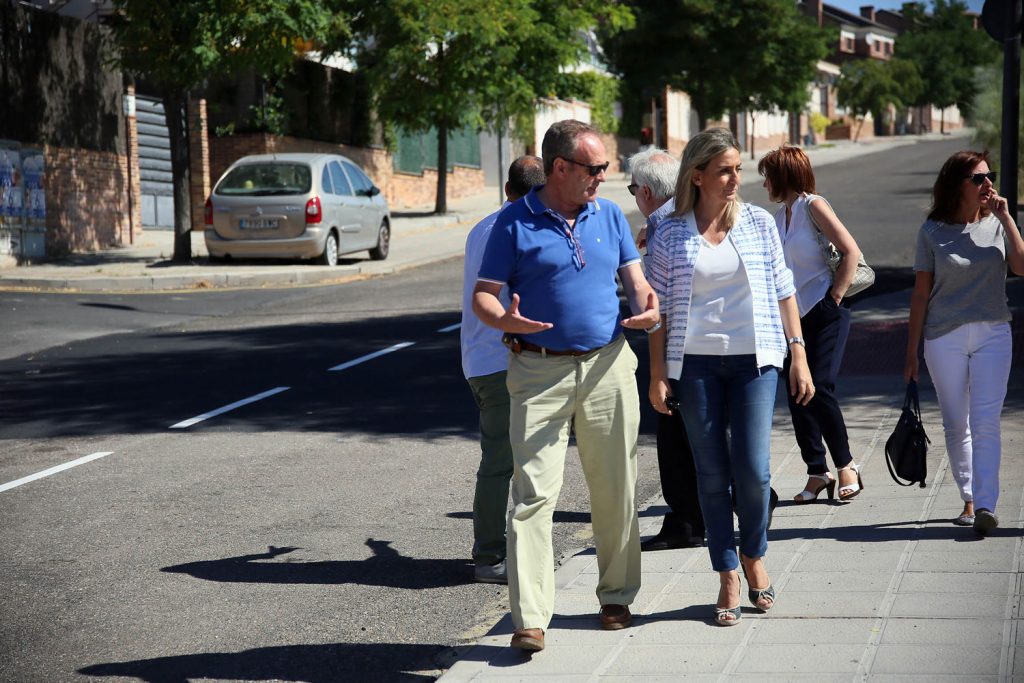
{"points": [[380, 252], [329, 257]]}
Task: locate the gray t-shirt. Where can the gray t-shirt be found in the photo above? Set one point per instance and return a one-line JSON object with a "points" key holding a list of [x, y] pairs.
{"points": [[969, 266]]}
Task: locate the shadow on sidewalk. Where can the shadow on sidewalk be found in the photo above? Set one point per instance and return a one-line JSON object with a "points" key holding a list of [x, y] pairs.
{"points": [[935, 530]]}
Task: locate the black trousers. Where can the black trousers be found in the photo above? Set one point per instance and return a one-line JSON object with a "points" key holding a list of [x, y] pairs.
{"points": [[826, 327], [678, 478]]}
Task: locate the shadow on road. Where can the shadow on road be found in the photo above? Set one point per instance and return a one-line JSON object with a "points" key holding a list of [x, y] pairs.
{"points": [[384, 662], [387, 567]]}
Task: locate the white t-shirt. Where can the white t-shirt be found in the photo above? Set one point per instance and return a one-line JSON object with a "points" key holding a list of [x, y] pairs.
{"points": [[482, 350], [811, 275], [721, 321]]}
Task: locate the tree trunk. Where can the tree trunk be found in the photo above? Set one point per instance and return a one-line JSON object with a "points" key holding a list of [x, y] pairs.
{"points": [[441, 199], [751, 135], [942, 121], [176, 113], [860, 124]]}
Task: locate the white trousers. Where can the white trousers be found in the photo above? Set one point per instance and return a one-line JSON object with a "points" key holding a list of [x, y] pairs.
{"points": [[970, 367]]}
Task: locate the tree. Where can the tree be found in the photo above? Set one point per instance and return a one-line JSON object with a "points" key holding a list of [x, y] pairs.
{"points": [[947, 49], [871, 86], [445, 64], [987, 120], [725, 54], [179, 45]]}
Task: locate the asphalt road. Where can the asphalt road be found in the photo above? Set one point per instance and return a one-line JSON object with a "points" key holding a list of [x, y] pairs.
{"points": [[318, 534]]}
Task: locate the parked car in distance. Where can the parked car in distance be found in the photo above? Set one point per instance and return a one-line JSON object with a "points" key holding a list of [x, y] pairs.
{"points": [[306, 206]]}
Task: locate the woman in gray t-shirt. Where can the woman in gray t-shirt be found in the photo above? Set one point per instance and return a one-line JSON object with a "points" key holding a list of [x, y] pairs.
{"points": [[959, 306]]}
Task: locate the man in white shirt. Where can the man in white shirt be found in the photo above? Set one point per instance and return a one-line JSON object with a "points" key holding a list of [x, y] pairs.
{"points": [[484, 363]]}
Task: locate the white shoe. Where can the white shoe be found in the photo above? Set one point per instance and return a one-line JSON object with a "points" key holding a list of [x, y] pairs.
{"points": [[827, 483]]}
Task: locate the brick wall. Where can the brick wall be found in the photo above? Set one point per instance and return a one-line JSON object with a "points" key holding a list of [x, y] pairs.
{"points": [[400, 189], [87, 200]]}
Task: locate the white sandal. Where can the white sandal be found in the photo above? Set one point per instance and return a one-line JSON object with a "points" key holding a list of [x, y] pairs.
{"points": [[807, 495], [848, 491]]}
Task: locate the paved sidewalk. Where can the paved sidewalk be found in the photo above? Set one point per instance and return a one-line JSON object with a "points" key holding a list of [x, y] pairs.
{"points": [[417, 238], [880, 588]]}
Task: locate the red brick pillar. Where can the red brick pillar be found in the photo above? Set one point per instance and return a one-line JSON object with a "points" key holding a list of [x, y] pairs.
{"points": [[134, 226], [199, 160]]}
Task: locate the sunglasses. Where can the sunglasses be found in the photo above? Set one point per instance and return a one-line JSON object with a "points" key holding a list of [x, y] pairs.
{"points": [[979, 178], [632, 187], [592, 170]]}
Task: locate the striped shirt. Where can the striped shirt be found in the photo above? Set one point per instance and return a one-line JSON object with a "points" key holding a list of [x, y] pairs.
{"points": [[672, 256]]}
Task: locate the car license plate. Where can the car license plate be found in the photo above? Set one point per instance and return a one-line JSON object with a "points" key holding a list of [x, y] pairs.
{"points": [[257, 223]]}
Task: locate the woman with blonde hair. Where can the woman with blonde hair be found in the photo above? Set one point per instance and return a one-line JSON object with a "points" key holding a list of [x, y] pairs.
{"points": [[729, 319], [804, 220], [959, 306]]}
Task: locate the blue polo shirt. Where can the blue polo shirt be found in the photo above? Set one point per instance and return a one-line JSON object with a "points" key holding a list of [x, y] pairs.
{"points": [[564, 276]]}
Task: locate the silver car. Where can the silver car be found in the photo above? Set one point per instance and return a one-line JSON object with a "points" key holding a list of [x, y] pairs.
{"points": [[310, 206]]}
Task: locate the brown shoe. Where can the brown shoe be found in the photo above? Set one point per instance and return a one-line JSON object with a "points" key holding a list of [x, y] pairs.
{"points": [[614, 617], [529, 639]]}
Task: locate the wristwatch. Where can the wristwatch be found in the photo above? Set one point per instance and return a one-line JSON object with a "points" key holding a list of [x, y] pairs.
{"points": [[796, 340], [654, 328]]}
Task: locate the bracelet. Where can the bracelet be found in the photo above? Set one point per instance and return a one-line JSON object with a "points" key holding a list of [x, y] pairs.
{"points": [[796, 340], [654, 328]]}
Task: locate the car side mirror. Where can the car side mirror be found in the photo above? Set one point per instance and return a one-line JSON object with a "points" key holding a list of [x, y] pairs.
{"points": [[373, 191]]}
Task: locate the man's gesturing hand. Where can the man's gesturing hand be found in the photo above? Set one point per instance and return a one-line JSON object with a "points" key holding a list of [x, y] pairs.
{"points": [[646, 320], [516, 324]]}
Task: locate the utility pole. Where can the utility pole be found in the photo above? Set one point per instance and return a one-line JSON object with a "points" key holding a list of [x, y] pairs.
{"points": [[1002, 19]]}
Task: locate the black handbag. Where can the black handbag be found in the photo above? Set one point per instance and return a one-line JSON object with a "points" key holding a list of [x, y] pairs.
{"points": [[906, 450]]}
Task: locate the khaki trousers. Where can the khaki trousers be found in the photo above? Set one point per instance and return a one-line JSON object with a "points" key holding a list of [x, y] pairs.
{"points": [[596, 395]]}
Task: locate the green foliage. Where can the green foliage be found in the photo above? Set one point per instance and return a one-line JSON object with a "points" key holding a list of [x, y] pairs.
{"points": [[725, 54], [181, 44], [946, 49], [598, 90], [454, 63], [869, 85], [987, 119], [269, 116], [819, 122], [448, 64]]}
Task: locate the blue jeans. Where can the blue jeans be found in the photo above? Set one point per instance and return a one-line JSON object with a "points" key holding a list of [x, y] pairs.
{"points": [[720, 393]]}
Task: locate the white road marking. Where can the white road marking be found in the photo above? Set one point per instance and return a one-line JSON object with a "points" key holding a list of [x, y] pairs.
{"points": [[237, 404], [54, 470], [450, 328], [370, 356]]}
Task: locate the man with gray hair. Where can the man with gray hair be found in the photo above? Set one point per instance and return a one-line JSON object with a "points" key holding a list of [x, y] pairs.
{"points": [[558, 251], [484, 363], [653, 185]]}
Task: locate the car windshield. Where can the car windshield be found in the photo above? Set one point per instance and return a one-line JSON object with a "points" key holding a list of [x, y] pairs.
{"points": [[271, 178]]}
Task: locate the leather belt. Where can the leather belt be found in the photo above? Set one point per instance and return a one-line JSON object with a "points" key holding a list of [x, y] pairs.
{"points": [[527, 346]]}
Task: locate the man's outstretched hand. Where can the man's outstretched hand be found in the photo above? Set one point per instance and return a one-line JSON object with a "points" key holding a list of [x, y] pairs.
{"points": [[646, 320], [515, 323]]}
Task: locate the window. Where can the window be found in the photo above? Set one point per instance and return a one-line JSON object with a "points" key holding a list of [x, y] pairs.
{"points": [[267, 178], [341, 184], [325, 180], [359, 179]]}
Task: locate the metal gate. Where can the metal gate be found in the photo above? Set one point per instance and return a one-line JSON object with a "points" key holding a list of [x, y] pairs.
{"points": [[157, 181]]}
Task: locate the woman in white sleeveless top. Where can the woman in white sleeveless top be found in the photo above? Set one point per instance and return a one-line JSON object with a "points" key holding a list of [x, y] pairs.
{"points": [[824, 317]]}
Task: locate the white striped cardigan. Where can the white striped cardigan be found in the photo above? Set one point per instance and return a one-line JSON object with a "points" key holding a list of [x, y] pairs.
{"points": [[671, 258]]}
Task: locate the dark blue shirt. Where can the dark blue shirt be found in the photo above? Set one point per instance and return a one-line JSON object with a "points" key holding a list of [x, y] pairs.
{"points": [[564, 276]]}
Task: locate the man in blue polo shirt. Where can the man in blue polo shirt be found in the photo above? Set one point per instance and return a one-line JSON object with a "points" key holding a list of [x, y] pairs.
{"points": [[558, 251]]}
